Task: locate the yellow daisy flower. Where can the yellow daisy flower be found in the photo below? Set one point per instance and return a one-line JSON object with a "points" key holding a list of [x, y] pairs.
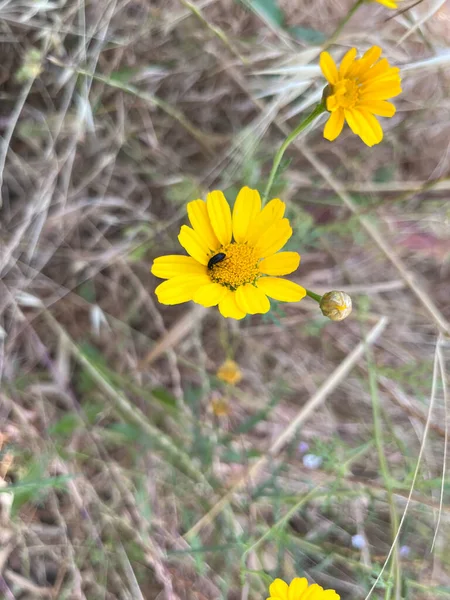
{"points": [[229, 372], [357, 92], [388, 3], [220, 406], [299, 589], [234, 257]]}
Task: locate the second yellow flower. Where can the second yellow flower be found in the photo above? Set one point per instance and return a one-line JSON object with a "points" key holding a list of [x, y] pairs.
{"points": [[358, 91]]}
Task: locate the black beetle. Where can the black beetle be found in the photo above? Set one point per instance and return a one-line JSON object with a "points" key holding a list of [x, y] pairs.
{"points": [[217, 258]]}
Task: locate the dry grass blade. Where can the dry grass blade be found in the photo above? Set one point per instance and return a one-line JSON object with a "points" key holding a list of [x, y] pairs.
{"points": [[443, 375], [432, 9], [9, 133], [204, 140], [177, 333], [416, 472]]}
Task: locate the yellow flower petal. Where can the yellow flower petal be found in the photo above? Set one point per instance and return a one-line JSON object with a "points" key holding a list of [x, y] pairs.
{"points": [[210, 295], [334, 125], [365, 125], [351, 120], [199, 218], [369, 58], [297, 587], [389, 78], [246, 208], [314, 592], [220, 216], [274, 238], [381, 68], [229, 308], [172, 265], [279, 589], [251, 300], [329, 595], [194, 244], [270, 214], [282, 263], [281, 289], [328, 68], [378, 107], [180, 289], [381, 91], [347, 62], [388, 3], [365, 132], [374, 126]]}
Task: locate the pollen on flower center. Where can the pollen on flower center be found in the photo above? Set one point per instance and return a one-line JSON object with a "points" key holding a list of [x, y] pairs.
{"points": [[346, 93], [238, 268]]}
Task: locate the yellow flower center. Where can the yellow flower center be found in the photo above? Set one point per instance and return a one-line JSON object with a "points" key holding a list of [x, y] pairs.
{"points": [[240, 266], [345, 94]]}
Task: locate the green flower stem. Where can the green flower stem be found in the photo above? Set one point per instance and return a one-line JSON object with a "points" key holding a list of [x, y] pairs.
{"points": [[343, 23], [314, 296], [320, 108]]}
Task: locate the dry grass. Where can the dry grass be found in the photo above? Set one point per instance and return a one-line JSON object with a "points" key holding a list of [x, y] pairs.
{"points": [[117, 480]]}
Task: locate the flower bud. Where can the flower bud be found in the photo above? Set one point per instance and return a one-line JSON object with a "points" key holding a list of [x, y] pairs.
{"points": [[336, 305]]}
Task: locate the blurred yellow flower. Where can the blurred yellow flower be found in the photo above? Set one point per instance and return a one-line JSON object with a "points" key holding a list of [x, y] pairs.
{"points": [[388, 3], [299, 589], [229, 372], [336, 305], [357, 92], [234, 257], [220, 406]]}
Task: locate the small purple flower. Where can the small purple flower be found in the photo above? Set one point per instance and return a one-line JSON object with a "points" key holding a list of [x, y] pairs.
{"points": [[303, 447], [311, 461], [358, 541], [404, 551]]}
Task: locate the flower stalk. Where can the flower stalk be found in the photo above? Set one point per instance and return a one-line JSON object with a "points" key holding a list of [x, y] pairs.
{"points": [[334, 36], [319, 109], [314, 296]]}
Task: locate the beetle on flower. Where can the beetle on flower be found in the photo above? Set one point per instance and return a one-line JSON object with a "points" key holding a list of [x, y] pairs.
{"points": [[234, 260]]}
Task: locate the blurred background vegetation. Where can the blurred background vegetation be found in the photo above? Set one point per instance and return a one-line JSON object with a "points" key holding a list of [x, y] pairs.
{"points": [[128, 468]]}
